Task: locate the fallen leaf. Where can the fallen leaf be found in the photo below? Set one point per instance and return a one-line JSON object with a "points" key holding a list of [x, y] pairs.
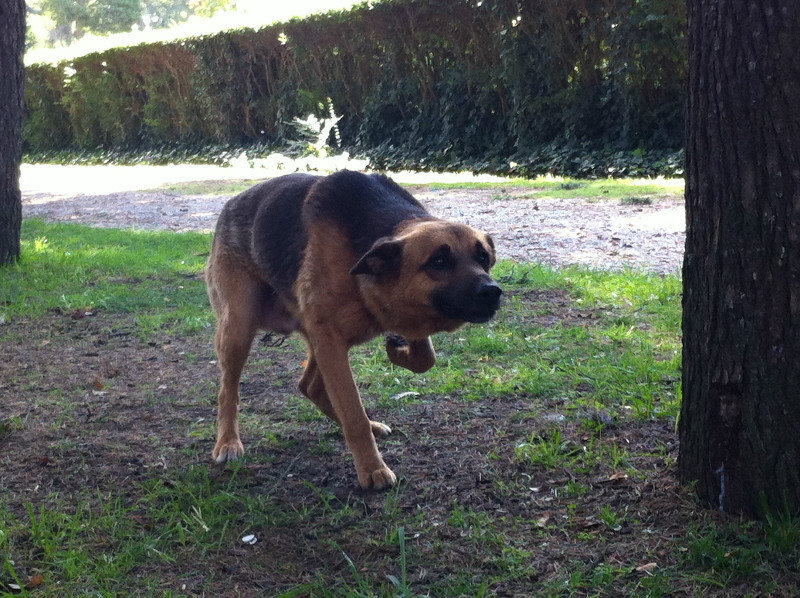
{"points": [[35, 581], [647, 568], [403, 395], [620, 475], [542, 521]]}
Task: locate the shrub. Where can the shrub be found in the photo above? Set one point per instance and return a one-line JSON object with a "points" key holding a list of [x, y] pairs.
{"points": [[570, 86]]}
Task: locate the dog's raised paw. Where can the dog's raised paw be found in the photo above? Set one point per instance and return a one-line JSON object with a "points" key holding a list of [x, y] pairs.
{"points": [[380, 430], [227, 451]]}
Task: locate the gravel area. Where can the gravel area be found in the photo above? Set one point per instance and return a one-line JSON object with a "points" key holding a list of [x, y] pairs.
{"points": [[600, 234]]}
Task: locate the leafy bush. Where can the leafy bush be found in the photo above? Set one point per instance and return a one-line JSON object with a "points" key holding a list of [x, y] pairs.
{"points": [[527, 86]]}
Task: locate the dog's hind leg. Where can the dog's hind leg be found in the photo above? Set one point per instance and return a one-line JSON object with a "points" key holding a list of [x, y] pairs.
{"points": [[313, 387], [417, 356], [236, 298], [232, 341]]}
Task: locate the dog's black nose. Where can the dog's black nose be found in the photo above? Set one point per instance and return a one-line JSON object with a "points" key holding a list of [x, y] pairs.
{"points": [[488, 293]]}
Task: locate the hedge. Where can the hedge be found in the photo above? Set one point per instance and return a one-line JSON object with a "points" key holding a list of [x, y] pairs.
{"points": [[521, 85]]}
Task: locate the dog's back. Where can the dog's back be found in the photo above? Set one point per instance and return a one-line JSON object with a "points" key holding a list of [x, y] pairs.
{"points": [[277, 202], [267, 226], [364, 207]]}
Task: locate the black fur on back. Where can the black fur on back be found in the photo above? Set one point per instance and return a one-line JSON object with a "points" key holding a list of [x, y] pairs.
{"points": [[268, 223], [279, 237], [367, 207]]}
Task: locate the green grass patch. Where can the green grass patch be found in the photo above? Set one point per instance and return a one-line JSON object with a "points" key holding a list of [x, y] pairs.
{"points": [[633, 191], [223, 187], [155, 275], [616, 347], [628, 191], [94, 542]]}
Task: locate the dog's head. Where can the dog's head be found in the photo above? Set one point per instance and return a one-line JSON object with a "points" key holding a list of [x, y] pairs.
{"points": [[431, 276]]}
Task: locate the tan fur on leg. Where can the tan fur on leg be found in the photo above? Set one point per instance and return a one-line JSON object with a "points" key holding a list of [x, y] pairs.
{"points": [[331, 357], [234, 296], [312, 386]]}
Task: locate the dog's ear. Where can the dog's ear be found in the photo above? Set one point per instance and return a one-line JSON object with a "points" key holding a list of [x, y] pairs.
{"points": [[492, 253], [384, 258]]}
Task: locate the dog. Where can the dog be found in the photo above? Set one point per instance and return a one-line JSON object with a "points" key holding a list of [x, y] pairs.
{"points": [[340, 259]]}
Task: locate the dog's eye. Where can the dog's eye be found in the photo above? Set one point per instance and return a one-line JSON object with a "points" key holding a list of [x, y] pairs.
{"points": [[483, 259], [439, 262], [441, 259]]}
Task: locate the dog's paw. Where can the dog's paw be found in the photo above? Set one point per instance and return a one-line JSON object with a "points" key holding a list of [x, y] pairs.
{"points": [[227, 450], [380, 479], [380, 430]]}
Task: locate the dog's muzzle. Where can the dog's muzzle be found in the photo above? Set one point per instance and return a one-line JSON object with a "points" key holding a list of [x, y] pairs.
{"points": [[486, 302], [488, 295], [477, 304]]}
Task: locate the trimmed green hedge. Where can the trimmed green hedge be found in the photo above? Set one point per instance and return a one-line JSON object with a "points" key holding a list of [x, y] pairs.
{"points": [[574, 86]]}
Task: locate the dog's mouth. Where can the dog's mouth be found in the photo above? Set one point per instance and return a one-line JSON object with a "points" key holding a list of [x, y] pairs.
{"points": [[473, 316], [480, 318]]}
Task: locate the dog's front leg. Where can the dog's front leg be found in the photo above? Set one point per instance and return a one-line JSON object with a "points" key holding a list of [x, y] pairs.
{"points": [[417, 356], [330, 353]]}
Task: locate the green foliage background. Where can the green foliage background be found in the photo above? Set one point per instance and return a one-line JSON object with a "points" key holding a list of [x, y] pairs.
{"points": [[567, 86], [70, 20]]}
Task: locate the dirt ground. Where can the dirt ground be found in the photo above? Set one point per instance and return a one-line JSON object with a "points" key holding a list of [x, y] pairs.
{"points": [[600, 234], [79, 383]]}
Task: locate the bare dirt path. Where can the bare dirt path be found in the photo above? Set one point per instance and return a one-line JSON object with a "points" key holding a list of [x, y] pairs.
{"points": [[599, 234]]}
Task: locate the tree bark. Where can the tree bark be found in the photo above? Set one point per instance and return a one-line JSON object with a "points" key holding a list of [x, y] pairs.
{"points": [[12, 46], [740, 417]]}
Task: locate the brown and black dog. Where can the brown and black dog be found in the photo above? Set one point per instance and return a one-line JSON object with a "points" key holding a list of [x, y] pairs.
{"points": [[341, 259]]}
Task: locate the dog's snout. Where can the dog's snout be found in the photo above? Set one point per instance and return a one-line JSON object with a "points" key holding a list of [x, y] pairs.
{"points": [[489, 292]]}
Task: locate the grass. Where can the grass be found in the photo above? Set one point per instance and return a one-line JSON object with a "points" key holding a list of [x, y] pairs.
{"points": [[614, 364], [155, 276], [232, 187], [534, 459], [633, 191], [628, 191]]}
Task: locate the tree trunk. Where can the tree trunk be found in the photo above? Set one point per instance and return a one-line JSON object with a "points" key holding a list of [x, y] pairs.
{"points": [[740, 417], [12, 46]]}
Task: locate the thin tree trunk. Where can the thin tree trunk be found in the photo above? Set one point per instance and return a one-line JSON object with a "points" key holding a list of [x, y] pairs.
{"points": [[12, 46], [740, 417]]}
